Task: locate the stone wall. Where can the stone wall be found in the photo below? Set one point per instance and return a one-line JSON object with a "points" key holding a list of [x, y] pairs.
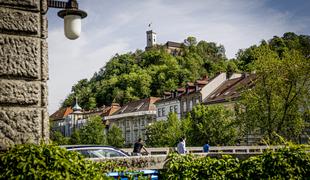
{"points": [[23, 72]]}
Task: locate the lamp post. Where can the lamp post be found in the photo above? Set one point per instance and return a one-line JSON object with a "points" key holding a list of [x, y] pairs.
{"points": [[72, 16]]}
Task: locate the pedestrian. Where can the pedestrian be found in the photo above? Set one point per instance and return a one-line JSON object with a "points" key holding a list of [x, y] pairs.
{"points": [[181, 147], [206, 148], [137, 148]]}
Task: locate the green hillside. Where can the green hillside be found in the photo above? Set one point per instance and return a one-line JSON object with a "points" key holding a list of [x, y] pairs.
{"points": [[141, 74]]}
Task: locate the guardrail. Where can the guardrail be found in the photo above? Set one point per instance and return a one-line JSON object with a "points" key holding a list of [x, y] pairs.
{"points": [[212, 150], [158, 156]]}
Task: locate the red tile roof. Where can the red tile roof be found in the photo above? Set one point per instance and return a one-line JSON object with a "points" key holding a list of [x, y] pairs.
{"points": [[61, 113]]}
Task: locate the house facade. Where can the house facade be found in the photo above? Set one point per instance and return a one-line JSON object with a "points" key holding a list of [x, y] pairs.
{"points": [[170, 103], [198, 92], [67, 120], [133, 118]]}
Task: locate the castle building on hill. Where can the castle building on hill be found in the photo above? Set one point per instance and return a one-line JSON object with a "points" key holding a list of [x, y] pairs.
{"points": [[174, 48]]}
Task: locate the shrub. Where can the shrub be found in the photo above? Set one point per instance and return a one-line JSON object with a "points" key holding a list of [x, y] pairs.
{"points": [[44, 161], [290, 162], [199, 167]]}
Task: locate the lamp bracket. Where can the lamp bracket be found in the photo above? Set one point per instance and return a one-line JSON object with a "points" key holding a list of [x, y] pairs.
{"points": [[71, 4]]}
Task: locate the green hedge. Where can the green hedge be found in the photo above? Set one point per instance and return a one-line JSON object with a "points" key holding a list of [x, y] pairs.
{"points": [[30, 161], [291, 162], [52, 162], [46, 162]]}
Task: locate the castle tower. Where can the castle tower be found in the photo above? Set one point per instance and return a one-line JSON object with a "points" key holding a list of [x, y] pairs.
{"points": [[150, 39]]}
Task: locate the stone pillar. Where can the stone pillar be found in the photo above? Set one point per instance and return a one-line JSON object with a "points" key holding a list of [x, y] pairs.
{"points": [[23, 72]]}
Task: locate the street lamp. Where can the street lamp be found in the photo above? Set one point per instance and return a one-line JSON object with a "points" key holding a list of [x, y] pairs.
{"points": [[72, 16]]}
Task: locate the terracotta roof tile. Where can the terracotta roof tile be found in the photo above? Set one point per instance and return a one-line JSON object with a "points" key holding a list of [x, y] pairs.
{"points": [[61, 113]]}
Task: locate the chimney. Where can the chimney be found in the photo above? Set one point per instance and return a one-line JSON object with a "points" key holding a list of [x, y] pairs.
{"points": [[187, 89], [172, 94], [205, 77], [229, 74], [196, 87], [244, 75]]}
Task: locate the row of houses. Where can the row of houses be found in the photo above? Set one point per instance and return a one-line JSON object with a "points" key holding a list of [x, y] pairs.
{"points": [[133, 117]]}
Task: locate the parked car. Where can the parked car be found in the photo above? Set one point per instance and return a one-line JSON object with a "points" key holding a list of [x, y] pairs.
{"points": [[96, 151]]}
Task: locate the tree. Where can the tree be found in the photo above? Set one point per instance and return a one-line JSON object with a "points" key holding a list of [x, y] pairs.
{"points": [[213, 124], [273, 105], [58, 138], [154, 134], [75, 137], [93, 132], [165, 133], [115, 137]]}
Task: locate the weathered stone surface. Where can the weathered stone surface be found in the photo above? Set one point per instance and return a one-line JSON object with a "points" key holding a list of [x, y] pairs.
{"points": [[20, 56], [25, 4], [44, 60], [45, 125], [44, 26], [19, 125], [23, 72], [44, 95], [19, 21], [20, 92]]}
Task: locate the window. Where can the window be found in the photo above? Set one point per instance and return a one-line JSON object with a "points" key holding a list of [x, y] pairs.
{"points": [[127, 124], [171, 108], [127, 137], [142, 122], [184, 106], [135, 135], [159, 112], [190, 105], [197, 101], [176, 108], [163, 111]]}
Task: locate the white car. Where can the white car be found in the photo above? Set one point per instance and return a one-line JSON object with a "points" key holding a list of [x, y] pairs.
{"points": [[96, 151]]}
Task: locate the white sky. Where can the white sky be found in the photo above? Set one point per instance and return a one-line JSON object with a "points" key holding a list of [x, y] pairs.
{"points": [[119, 26]]}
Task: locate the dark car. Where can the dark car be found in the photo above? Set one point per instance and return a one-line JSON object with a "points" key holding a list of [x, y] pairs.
{"points": [[96, 151]]}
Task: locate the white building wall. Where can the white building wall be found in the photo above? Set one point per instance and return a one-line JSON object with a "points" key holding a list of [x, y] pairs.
{"points": [[167, 106], [212, 85], [133, 124]]}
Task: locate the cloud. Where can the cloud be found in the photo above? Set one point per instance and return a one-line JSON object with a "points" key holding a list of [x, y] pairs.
{"points": [[119, 26]]}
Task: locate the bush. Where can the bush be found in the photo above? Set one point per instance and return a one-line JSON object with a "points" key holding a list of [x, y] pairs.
{"points": [[198, 167], [44, 161], [291, 162]]}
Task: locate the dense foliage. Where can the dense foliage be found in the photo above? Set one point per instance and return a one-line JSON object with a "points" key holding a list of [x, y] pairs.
{"points": [[30, 161], [46, 162], [142, 74], [290, 162], [166, 133], [213, 124], [115, 137], [279, 101]]}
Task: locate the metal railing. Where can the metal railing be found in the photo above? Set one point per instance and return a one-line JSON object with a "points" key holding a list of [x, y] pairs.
{"points": [[212, 150]]}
